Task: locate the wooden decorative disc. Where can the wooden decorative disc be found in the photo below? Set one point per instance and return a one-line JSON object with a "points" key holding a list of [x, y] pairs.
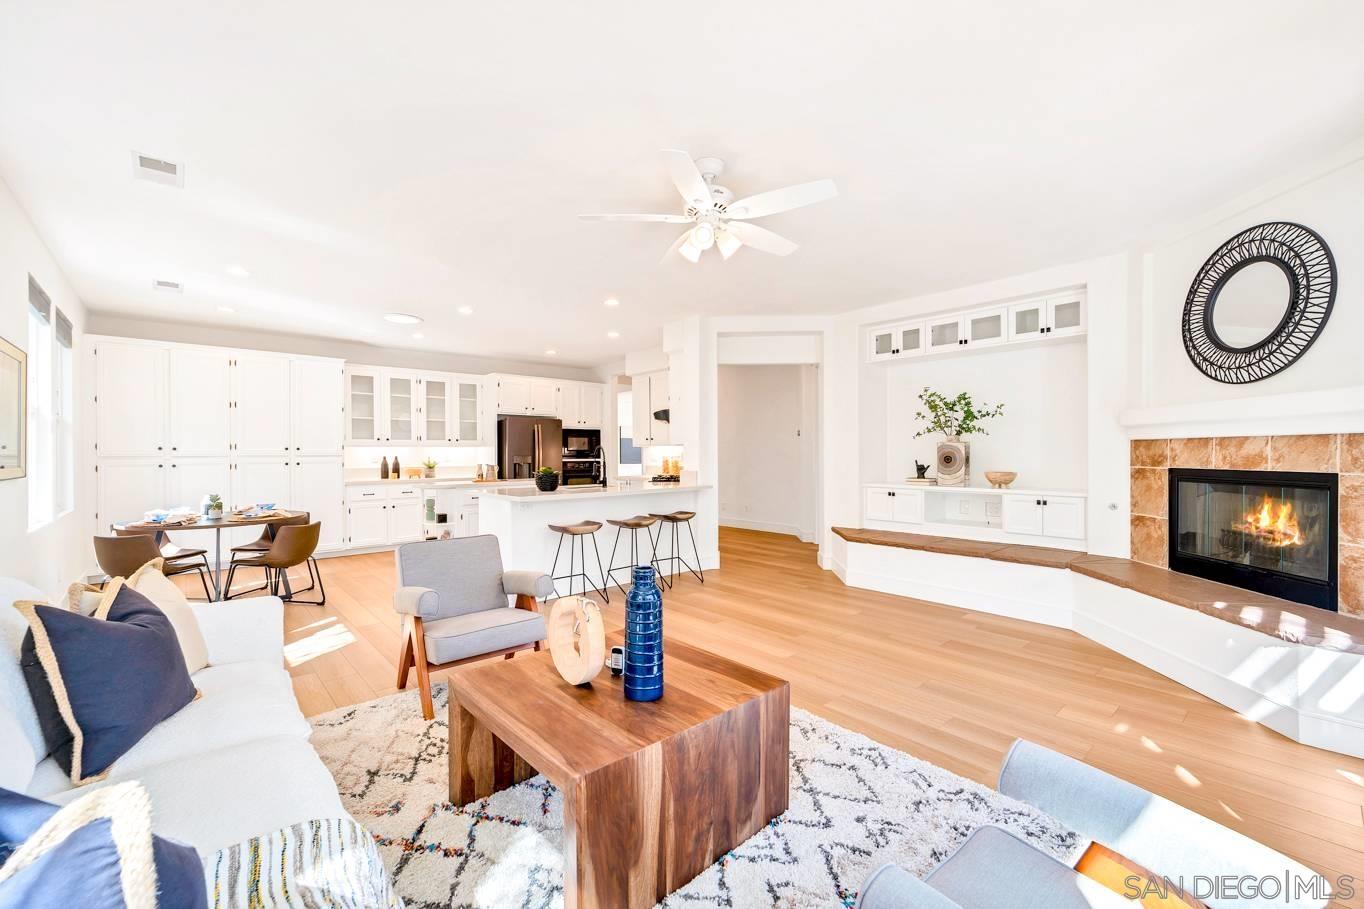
{"points": [[577, 639]]}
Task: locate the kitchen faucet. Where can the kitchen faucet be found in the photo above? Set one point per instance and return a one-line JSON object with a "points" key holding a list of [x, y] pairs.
{"points": [[600, 455]]}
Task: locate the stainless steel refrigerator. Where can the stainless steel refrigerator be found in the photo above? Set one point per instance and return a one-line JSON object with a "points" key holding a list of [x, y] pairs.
{"points": [[525, 444]]}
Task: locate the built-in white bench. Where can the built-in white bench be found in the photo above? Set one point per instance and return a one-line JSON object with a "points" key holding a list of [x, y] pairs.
{"points": [[1296, 669]]}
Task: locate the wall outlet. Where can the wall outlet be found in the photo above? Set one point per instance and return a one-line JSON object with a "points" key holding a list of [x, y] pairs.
{"points": [[964, 506], [994, 509]]}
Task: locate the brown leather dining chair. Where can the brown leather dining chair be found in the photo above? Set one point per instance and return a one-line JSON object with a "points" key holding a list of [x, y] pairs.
{"points": [[120, 556], [292, 546], [171, 552], [267, 534]]}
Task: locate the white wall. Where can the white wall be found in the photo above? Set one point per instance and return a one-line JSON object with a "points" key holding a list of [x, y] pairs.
{"points": [[765, 430], [1042, 434], [350, 351], [1328, 198], [55, 555]]}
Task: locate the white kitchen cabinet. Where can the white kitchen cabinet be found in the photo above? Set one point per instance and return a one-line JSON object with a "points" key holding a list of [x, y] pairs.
{"points": [[1055, 315], [400, 407], [316, 487], [316, 409], [650, 396], [898, 341], [985, 328], [544, 398], [944, 333], [364, 406], [581, 404], [1027, 320], [513, 395], [468, 517], [881, 344], [1062, 517], [188, 480], [261, 481], [466, 411], [199, 398], [1022, 514], [130, 400], [1066, 314], [898, 505], [404, 521], [367, 523], [260, 404], [434, 410], [127, 488]]}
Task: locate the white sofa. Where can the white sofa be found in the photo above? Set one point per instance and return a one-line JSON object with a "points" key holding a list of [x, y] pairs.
{"points": [[231, 765]]}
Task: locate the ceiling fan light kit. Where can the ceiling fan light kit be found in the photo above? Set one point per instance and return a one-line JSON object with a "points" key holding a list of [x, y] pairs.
{"points": [[719, 221]]}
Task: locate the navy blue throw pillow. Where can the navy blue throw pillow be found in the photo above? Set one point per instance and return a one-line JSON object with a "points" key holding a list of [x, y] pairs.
{"points": [[80, 861], [100, 683]]}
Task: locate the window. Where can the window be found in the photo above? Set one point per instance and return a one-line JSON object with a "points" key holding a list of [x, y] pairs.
{"points": [[51, 443]]}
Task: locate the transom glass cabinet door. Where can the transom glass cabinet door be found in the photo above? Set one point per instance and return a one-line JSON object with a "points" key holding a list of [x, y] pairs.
{"points": [[436, 410], [1026, 320], [468, 412], [1066, 315], [882, 344], [363, 398], [911, 340], [986, 327], [944, 334], [401, 409]]}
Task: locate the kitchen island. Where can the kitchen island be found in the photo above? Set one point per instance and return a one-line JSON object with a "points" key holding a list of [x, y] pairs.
{"points": [[520, 518]]}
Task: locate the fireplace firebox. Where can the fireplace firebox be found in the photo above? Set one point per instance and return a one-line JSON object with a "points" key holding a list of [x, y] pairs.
{"points": [[1274, 532]]}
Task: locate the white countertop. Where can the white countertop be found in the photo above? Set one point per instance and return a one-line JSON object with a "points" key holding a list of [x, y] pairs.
{"points": [[979, 490], [437, 483], [528, 495]]}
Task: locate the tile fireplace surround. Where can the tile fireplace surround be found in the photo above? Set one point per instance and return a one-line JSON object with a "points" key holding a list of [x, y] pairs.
{"points": [[1342, 454]]}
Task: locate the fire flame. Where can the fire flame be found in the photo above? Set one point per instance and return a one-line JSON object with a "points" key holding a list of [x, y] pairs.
{"points": [[1278, 526]]}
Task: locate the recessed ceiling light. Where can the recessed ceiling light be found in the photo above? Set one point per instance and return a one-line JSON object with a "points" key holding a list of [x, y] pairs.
{"points": [[227, 309], [171, 286], [402, 318], [613, 335], [237, 271], [418, 335], [465, 310], [551, 352], [612, 301]]}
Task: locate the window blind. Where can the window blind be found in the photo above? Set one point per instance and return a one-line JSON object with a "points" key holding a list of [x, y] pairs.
{"points": [[63, 330], [39, 300]]}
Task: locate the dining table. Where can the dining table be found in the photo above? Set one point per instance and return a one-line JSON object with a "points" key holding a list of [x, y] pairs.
{"points": [[228, 521]]}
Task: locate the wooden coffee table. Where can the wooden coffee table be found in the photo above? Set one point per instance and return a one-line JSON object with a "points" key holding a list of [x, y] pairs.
{"points": [[655, 792]]}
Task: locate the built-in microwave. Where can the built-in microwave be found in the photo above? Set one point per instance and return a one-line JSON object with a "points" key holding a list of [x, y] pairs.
{"points": [[581, 443]]}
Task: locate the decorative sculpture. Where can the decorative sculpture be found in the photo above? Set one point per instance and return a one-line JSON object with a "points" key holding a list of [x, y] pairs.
{"points": [[577, 639]]}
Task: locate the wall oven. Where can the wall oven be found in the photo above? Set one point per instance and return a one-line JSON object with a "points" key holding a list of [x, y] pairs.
{"points": [[582, 457]]}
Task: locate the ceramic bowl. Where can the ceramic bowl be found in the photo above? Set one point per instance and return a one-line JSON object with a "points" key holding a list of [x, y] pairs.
{"points": [[1000, 479]]}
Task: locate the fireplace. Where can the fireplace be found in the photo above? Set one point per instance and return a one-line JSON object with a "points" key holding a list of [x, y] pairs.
{"points": [[1273, 532]]}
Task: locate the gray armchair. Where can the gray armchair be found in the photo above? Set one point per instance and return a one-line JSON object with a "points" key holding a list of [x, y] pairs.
{"points": [[452, 596]]}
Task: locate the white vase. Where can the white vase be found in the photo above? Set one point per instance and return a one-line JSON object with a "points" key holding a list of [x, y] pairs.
{"points": [[954, 462]]}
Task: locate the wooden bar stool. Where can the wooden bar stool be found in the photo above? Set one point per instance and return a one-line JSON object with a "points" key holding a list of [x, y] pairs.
{"points": [[634, 525], [675, 556], [577, 532]]}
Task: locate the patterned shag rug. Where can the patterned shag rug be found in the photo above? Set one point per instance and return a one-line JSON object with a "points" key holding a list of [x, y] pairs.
{"points": [[854, 806]]}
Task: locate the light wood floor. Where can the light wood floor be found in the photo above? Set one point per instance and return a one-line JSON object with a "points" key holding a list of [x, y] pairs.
{"points": [[948, 685]]}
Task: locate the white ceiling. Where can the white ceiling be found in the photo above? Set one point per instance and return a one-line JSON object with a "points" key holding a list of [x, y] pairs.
{"points": [[359, 158]]}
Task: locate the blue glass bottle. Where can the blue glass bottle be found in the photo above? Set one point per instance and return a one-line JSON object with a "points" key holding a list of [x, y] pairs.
{"points": [[644, 637]]}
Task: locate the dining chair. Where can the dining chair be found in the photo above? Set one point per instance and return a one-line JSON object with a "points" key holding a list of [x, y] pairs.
{"points": [[293, 545], [267, 536], [171, 552], [120, 556]]}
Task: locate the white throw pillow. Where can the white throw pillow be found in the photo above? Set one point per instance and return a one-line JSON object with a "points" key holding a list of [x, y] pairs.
{"points": [[170, 599]]}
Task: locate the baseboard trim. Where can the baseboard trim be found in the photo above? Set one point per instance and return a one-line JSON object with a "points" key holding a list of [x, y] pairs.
{"points": [[790, 530]]}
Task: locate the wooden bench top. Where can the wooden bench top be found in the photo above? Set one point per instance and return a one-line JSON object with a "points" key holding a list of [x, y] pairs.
{"points": [[1283, 619]]}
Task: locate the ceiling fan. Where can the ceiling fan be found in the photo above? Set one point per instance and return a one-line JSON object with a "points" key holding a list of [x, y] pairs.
{"points": [[717, 219]]}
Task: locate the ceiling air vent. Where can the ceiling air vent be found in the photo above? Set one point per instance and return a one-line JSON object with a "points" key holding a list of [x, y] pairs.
{"points": [[145, 167], [174, 287]]}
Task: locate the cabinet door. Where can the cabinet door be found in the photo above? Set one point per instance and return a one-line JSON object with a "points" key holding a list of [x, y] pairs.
{"points": [[943, 334], [909, 340], [200, 394], [261, 481], [367, 524], [400, 404], [404, 521], [659, 399], [435, 410], [364, 407], [907, 507], [1066, 315], [592, 406], [188, 480], [1063, 516], [317, 488], [468, 518], [878, 505], [467, 410], [260, 405], [1022, 514], [128, 489], [544, 397], [881, 344], [1027, 320], [131, 400], [639, 409], [986, 327], [513, 395], [317, 421], [570, 403]]}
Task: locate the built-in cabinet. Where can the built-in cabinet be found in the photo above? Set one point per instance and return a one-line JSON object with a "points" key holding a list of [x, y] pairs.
{"points": [[650, 397], [581, 405], [398, 406], [977, 513], [383, 515], [176, 422], [1052, 316]]}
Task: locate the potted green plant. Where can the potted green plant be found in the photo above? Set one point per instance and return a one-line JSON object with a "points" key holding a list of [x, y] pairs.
{"points": [[429, 468], [215, 507], [954, 418], [546, 479]]}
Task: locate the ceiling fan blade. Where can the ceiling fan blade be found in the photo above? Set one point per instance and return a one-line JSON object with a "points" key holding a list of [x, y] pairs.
{"points": [[761, 238], [666, 219], [687, 178], [779, 200], [677, 246]]}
